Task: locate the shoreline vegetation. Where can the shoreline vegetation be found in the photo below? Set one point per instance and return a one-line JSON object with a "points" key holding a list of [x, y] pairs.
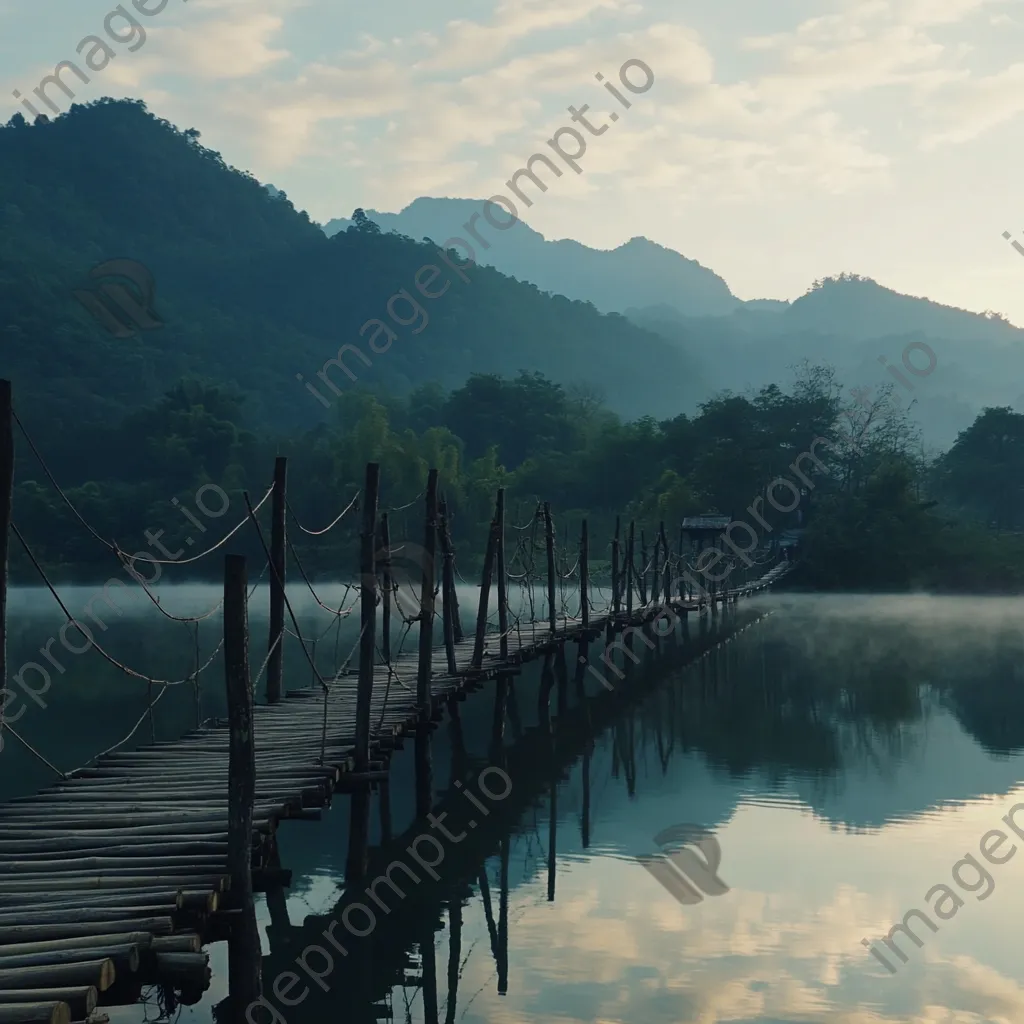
{"points": [[874, 516]]}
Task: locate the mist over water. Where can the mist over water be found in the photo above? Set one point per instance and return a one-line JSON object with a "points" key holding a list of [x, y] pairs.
{"points": [[845, 751]]}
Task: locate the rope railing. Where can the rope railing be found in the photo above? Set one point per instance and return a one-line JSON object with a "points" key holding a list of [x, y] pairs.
{"points": [[539, 561]]}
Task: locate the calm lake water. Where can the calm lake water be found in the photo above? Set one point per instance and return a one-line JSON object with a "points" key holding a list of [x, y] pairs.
{"points": [[842, 754]]}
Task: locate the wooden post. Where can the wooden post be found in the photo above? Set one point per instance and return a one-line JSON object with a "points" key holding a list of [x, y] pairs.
{"points": [[426, 650], [449, 553], [368, 615], [504, 851], [668, 566], [6, 501], [642, 579], [244, 956], [485, 593], [278, 564], [585, 577], [502, 577], [629, 569], [386, 585], [616, 595], [656, 571], [549, 534], [448, 600]]}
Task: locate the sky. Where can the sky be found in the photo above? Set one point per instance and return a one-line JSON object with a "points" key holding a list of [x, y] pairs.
{"points": [[779, 142]]}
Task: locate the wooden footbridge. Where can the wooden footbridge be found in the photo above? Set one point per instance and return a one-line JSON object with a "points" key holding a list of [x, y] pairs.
{"points": [[114, 878]]}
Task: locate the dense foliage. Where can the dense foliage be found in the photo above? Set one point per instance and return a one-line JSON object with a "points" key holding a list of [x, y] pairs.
{"points": [[252, 293], [870, 522]]}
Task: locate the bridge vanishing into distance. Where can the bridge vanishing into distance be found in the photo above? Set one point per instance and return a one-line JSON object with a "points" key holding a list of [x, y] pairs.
{"points": [[114, 878]]}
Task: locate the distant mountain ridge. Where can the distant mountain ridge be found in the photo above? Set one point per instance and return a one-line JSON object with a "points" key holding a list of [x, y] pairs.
{"points": [[853, 323], [637, 273]]}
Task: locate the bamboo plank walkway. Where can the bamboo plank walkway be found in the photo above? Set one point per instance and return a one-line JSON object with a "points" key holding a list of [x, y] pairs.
{"points": [[114, 878]]}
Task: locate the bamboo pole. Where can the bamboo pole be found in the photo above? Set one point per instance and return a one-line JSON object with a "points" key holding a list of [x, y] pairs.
{"points": [[502, 577], [426, 647], [616, 592], [368, 608], [549, 540], [585, 577], [485, 593], [385, 572], [642, 577], [630, 547], [449, 603], [655, 571], [448, 547], [278, 568], [244, 957]]}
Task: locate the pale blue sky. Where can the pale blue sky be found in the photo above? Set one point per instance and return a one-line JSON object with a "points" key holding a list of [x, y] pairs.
{"points": [[780, 142]]}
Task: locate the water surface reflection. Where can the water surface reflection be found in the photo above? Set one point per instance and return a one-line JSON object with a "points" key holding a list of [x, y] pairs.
{"points": [[846, 753]]}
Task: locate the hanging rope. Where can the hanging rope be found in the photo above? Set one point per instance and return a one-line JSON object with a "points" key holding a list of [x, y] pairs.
{"points": [[330, 526]]}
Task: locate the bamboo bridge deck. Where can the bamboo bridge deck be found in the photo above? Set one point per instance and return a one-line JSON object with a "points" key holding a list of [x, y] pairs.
{"points": [[115, 877]]}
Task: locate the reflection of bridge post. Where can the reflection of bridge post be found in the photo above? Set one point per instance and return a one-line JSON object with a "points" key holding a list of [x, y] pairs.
{"points": [[358, 833], [512, 705], [503, 917], [552, 824], [384, 796], [498, 719], [454, 954], [585, 817], [429, 968], [547, 683], [459, 757], [562, 674], [279, 927]]}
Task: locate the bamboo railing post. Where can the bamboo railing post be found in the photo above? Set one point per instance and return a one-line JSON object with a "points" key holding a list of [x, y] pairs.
{"points": [[655, 571], [631, 537], [666, 590], [244, 957], [445, 528], [368, 615], [549, 538], [385, 574], [6, 501], [682, 564], [449, 604], [449, 547], [485, 593], [278, 564], [616, 596], [642, 577], [585, 577], [424, 697], [502, 577]]}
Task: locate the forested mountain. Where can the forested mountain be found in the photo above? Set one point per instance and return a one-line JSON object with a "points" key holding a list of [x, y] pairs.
{"points": [[252, 293], [489, 379], [848, 321], [637, 273], [862, 328]]}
